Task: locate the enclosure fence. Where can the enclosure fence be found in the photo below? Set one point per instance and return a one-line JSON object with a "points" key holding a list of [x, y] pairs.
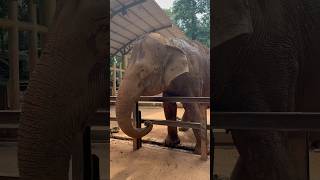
{"points": [[117, 71], [13, 25], [280, 121]]}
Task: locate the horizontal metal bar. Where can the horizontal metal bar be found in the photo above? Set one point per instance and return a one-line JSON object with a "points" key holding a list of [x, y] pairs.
{"points": [[171, 99], [288, 121], [160, 122], [9, 178], [293, 121]]}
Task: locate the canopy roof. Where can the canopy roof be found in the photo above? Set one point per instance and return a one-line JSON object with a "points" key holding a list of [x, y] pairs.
{"points": [[130, 19]]}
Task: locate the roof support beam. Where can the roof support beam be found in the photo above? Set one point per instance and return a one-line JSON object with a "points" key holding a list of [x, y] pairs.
{"points": [[124, 8]]}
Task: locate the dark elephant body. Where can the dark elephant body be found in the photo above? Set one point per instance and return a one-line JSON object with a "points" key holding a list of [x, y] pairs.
{"points": [[274, 67]]}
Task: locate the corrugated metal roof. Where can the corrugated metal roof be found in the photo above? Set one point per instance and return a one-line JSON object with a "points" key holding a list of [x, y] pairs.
{"points": [[130, 19]]}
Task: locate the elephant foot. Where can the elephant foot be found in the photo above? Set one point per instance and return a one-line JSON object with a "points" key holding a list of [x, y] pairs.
{"points": [[197, 150], [171, 141], [183, 129]]}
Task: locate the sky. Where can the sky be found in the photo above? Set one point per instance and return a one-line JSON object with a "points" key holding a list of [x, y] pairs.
{"points": [[165, 4]]}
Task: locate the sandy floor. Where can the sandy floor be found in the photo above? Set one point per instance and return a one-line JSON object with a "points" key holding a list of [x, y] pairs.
{"points": [[152, 162], [149, 162]]}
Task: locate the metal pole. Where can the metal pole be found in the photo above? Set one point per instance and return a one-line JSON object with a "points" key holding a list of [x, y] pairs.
{"points": [[95, 167], [14, 91], [138, 125], [87, 173], [307, 154], [212, 144], [135, 123], [203, 132]]}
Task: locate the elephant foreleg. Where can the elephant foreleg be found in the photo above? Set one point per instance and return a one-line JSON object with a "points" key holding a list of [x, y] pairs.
{"points": [[170, 111], [184, 119], [263, 155], [194, 113]]}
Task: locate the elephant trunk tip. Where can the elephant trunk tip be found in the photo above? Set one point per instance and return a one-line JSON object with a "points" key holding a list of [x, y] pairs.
{"points": [[136, 132]]}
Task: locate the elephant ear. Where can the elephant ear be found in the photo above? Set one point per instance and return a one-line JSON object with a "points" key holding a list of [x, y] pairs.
{"points": [[231, 18], [176, 65]]}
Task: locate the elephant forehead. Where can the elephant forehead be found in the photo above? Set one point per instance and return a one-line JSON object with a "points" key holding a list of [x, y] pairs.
{"points": [[158, 37], [231, 18]]}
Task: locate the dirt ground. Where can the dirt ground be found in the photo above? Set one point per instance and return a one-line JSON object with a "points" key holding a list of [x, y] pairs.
{"points": [[154, 162]]}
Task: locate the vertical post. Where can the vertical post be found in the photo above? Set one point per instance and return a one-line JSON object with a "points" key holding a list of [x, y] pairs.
{"points": [[77, 157], [114, 77], [95, 168], [120, 71], [87, 173], [203, 132], [212, 145], [135, 123], [307, 136], [47, 12], [14, 91], [125, 61], [33, 38], [138, 125]]}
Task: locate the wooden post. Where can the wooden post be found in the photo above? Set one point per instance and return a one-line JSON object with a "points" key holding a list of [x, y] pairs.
{"points": [[203, 132], [114, 83], [120, 71], [47, 12], [33, 38], [125, 61], [13, 85]]}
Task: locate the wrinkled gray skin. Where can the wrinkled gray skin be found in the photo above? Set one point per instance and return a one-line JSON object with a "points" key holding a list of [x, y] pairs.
{"points": [[266, 58], [67, 86], [175, 67]]}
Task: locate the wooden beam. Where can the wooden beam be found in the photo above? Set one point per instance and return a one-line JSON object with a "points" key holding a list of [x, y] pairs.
{"points": [[14, 91], [23, 26]]}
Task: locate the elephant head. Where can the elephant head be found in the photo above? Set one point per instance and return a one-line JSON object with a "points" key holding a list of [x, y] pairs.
{"points": [[153, 65], [66, 87], [231, 18]]}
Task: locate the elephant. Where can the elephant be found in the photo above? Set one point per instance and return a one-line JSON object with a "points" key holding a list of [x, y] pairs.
{"points": [[66, 87], [266, 59], [174, 67]]}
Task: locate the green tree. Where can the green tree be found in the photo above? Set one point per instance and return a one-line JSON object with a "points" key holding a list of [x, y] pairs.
{"points": [[193, 17]]}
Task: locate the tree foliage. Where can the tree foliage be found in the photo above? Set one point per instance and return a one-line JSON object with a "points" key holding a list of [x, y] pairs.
{"points": [[193, 17]]}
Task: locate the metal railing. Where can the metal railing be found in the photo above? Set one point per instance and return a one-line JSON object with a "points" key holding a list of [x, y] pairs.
{"points": [[282, 121], [202, 125]]}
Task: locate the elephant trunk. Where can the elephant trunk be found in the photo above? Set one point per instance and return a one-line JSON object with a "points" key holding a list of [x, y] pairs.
{"points": [[44, 139], [129, 94]]}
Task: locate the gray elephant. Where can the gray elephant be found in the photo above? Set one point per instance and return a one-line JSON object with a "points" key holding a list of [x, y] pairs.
{"points": [[266, 58], [175, 67], [67, 86]]}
